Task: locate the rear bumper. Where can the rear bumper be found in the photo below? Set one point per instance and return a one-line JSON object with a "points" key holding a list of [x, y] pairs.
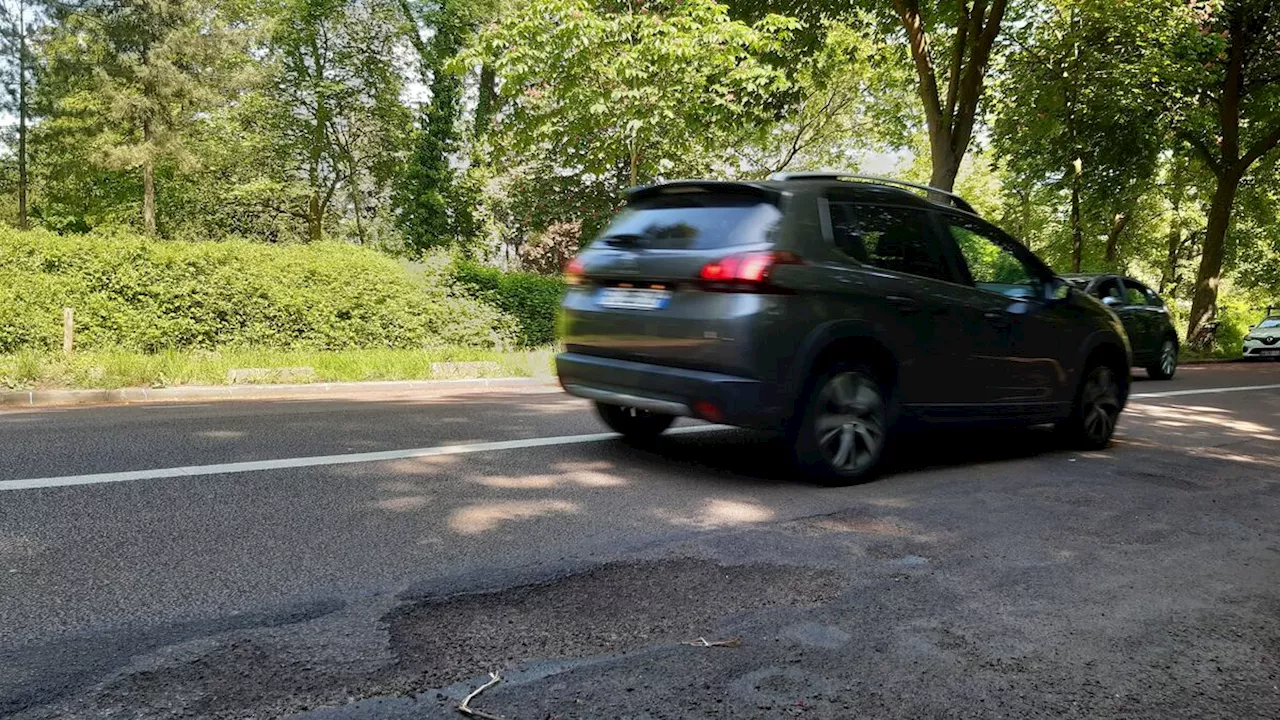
{"points": [[672, 391]]}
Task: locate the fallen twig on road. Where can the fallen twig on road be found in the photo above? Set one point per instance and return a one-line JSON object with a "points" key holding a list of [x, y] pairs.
{"points": [[465, 708], [703, 642]]}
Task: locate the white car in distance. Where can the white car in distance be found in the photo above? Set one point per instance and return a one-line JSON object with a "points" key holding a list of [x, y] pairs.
{"points": [[1263, 339]]}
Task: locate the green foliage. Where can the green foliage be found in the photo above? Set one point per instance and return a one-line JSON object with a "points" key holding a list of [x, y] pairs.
{"points": [[826, 118], [533, 300], [1073, 117], [434, 209], [124, 368], [601, 97], [132, 293], [125, 83], [332, 107]]}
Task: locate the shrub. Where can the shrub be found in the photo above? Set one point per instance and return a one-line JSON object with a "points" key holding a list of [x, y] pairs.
{"points": [[533, 300], [139, 294]]}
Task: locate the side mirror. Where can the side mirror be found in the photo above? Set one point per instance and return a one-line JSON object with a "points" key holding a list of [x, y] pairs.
{"points": [[1111, 301], [1057, 290]]}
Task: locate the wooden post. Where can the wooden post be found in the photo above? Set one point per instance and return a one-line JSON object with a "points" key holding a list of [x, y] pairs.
{"points": [[68, 330]]}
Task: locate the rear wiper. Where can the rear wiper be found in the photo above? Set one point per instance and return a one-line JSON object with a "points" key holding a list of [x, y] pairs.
{"points": [[623, 239]]}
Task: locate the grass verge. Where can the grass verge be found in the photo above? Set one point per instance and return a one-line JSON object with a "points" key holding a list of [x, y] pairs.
{"points": [[108, 369]]}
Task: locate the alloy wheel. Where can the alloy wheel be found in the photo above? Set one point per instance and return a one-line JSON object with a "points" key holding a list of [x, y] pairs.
{"points": [[1168, 357], [850, 422], [1100, 404]]}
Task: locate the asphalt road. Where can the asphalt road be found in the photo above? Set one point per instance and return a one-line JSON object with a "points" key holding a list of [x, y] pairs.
{"points": [[985, 575]]}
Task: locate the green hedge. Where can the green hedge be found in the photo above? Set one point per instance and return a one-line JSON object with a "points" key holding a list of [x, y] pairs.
{"points": [[148, 295], [533, 300]]}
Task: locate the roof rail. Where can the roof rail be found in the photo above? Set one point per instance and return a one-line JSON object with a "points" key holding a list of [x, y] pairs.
{"points": [[955, 199]]}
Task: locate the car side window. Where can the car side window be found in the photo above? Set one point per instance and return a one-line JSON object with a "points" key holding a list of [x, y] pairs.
{"points": [[992, 264], [1134, 293], [891, 238], [1153, 300], [1109, 292]]}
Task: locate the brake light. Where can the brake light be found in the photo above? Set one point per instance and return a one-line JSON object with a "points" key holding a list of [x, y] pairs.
{"points": [[573, 272], [745, 271]]}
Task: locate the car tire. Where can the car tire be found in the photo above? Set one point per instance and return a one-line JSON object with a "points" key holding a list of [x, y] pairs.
{"points": [[1095, 411], [1166, 362], [633, 423], [842, 430]]}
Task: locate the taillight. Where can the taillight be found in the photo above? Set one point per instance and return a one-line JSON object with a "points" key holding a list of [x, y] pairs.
{"points": [[573, 274], [745, 271]]}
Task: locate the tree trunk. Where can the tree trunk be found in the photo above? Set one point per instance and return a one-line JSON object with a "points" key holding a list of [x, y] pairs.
{"points": [[22, 131], [315, 216], [1169, 276], [487, 102], [148, 183], [22, 115], [1118, 223], [1204, 301], [946, 166], [950, 117], [357, 202], [1077, 236]]}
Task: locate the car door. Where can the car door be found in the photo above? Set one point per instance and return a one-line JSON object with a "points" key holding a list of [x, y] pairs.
{"points": [[891, 278], [1111, 291], [1137, 321], [1016, 346]]}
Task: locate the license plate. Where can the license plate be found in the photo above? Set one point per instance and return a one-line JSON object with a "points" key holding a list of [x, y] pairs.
{"points": [[1269, 353], [633, 298]]}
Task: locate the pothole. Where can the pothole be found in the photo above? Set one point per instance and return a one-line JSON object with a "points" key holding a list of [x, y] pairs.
{"points": [[608, 609]]}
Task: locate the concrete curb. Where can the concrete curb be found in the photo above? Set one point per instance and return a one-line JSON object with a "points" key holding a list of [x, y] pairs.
{"points": [[52, 398], [1210, 361]]}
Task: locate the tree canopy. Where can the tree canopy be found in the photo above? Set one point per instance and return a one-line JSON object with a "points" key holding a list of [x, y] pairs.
{"points": [[1138, 136]]}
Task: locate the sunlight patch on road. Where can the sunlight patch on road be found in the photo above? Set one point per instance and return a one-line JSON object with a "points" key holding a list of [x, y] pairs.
{"points": [[404, 503], [482, 517], [1197, 417], [719, 513]]}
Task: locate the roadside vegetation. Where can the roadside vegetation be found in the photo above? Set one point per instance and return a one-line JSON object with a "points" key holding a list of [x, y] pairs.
{"points": [[154, 312], [352, 175], [31, 369]]}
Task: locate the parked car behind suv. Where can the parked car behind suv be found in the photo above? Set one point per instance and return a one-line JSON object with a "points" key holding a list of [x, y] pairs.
{"points": [[1263, 339], [831, 308], [1145, 318]]}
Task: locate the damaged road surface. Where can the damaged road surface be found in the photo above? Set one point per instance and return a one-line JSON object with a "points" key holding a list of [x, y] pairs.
{"points": [[985, 575]]}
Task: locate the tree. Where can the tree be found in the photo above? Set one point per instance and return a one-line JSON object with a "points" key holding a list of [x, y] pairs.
{"points": [[134, 76], [950, 116], [432, 209], [333, 104], [849, 93], [1071, 113], [17, 20], [596, 99], [1225, 90]]}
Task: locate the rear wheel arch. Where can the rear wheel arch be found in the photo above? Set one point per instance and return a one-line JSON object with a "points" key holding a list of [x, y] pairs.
{"points": [[835, 343]]}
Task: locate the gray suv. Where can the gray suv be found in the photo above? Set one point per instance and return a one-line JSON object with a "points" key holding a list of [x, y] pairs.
{"points": [[832, 308]]}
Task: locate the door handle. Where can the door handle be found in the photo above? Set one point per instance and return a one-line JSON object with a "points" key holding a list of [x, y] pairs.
{"points": [[906, 305]]}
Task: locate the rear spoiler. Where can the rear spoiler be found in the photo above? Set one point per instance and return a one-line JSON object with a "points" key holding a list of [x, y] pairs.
{"points": [[691, 187]]}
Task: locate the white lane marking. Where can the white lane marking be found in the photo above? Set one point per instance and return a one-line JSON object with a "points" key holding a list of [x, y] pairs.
{"points": [[368, 457], [259, 465], [1204, 391]]}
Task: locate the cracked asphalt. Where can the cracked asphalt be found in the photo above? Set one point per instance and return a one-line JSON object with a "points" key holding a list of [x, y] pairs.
{"points": [[985, 575]]}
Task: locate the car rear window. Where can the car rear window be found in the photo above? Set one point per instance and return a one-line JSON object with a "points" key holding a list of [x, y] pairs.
{"points": [[692, 222]]}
